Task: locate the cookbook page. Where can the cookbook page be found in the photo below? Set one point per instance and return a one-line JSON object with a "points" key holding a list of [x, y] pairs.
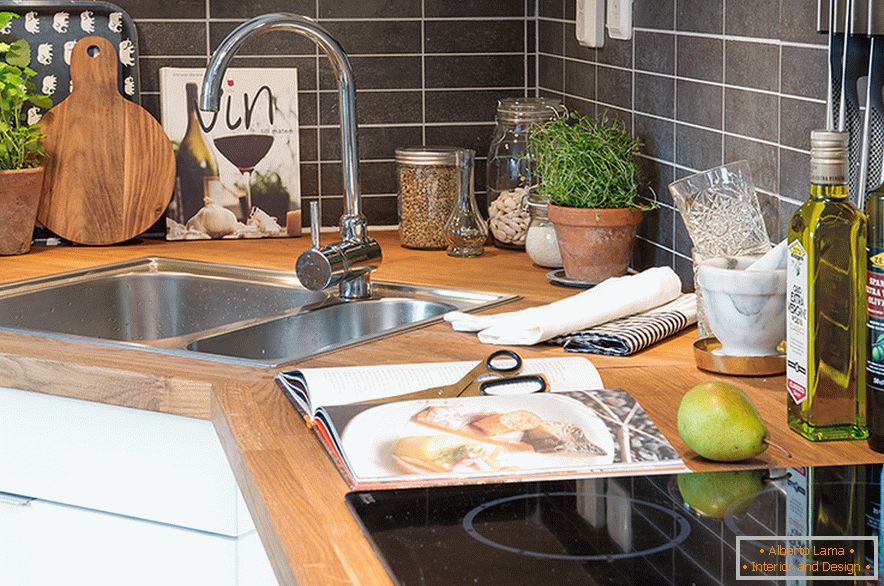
{"points": [[462, 440], [339, 386]]}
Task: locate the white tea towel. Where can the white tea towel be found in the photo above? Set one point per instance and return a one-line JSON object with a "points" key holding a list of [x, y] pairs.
{"points": [[611, 299]]}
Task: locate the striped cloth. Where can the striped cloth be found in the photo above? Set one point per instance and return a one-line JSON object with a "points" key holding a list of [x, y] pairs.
{"points": [[631, 334]]}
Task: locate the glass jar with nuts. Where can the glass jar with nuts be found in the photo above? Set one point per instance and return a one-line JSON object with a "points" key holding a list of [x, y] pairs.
{"points": [[510, 169], [429, 183]]}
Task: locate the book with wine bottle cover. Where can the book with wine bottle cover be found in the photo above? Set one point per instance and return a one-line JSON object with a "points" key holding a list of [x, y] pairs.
{"points": [[238, 169]]}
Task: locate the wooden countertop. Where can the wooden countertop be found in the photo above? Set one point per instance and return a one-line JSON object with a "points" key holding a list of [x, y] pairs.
{"points": [[293, 491]]}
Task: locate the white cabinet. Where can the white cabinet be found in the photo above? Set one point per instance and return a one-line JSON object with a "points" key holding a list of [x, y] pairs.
{"points": [[127, 461], [118, 496], [48, 544]]}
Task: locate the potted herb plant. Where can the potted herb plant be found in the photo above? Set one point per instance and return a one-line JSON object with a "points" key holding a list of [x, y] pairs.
{"points": [[587, 168], [21, 145]]}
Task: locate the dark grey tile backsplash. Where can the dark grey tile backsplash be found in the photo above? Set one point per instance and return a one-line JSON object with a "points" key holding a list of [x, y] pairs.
{"points": [[427, 71], [702, 82]]}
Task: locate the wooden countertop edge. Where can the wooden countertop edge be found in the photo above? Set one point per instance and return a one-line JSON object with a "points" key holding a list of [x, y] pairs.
{"points": [[107, 384]]}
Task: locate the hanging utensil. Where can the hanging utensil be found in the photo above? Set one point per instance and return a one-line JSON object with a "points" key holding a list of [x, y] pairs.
{"points": [[873, 123], [848, 61], [830, 90]]}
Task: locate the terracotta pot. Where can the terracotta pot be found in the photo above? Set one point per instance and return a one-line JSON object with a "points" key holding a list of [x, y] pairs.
{"points": [[595, 243], [19, 198]]}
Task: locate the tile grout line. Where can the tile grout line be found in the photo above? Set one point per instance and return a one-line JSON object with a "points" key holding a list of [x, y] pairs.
{"points": [[779, 128], [525, 48], [318, 125], [690, 124], [208, 30], [689, 79], [739, 38], [674, 115], [723, 76], [423, 73]]}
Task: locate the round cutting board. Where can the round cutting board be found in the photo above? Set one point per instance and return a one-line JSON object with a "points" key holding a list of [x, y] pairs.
{"points": [[110, 169]]}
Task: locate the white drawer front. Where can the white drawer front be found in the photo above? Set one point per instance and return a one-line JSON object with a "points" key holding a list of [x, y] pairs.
{"points": [[46, 544], [127, 461]]}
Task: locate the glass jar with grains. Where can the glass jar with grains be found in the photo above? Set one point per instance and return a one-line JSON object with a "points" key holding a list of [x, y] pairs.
{"points": [[510, 170], [429, 183]]}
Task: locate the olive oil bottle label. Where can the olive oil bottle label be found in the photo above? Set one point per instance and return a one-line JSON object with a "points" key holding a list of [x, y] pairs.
{"points": [[796, 326], [875, 312]]}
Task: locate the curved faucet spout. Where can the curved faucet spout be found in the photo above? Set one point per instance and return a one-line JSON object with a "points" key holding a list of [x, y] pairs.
{"points": [[348, 263], [210, 99]]}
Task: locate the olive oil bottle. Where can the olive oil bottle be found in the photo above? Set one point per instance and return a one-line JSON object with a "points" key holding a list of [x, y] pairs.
{"points": [[875, 308], [826, 317]]}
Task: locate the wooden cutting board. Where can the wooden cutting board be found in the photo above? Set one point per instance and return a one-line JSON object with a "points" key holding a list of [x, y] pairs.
{"points": [[110, 171]]}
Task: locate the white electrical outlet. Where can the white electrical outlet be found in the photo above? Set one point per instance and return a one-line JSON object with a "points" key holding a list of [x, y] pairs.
{"points": [[591, 23], [619, 21]]}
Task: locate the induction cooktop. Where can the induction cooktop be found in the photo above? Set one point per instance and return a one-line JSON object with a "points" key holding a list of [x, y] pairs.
{"points": [[685, 529]]}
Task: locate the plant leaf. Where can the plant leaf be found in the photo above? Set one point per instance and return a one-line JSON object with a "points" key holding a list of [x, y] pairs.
{"points": [[40, 100], [6, 18], [19, 53]]}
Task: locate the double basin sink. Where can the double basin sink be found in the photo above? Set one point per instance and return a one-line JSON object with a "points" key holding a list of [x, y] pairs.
{"points": [[219, 312]]}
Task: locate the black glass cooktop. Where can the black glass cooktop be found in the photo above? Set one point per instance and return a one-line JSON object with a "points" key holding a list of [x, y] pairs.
{"points": [[631, 530]]}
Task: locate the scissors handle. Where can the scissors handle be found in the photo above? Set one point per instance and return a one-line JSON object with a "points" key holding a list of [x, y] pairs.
{"points": [[505, 354], [536, 384]]}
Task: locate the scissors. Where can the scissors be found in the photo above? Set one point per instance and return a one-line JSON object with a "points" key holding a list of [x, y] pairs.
{"points": [[498, 374]]}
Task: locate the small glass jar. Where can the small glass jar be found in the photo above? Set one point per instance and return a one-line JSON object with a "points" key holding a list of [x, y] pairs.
{"points": [[541, 243], [510, 169], [429, 184], [466, 229]]}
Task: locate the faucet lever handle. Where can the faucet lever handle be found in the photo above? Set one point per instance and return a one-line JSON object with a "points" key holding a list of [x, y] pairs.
{"points": [[314, 224]]}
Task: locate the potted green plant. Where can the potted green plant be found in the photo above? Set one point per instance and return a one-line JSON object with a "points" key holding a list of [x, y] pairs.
{"points": [[587, 168], [21, 145]]}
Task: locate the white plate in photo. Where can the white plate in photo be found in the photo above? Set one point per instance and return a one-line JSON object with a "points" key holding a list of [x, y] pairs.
{"points": [[369, 438]]}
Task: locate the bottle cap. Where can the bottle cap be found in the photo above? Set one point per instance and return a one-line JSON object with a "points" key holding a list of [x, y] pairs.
{"points": [[828, 157]]}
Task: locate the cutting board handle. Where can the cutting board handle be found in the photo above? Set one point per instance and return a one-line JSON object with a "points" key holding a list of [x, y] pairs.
{"points": [[94, 65]]}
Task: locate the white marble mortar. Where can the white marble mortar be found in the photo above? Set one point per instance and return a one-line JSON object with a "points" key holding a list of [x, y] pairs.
{"points": [[745, 309]]}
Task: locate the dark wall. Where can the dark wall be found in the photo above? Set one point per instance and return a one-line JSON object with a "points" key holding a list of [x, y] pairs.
{"points": [[702, 82], [427, 71]]}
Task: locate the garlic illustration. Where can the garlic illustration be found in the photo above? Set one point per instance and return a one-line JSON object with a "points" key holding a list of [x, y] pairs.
{"points": [[263, 222], [214, 220]]}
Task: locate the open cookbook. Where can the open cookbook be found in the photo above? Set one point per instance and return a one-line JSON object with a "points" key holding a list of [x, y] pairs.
{"points": [[578, 429]]}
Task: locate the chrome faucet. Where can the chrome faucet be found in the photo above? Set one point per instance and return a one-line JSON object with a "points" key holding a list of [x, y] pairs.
{"points": [[347, 263]]}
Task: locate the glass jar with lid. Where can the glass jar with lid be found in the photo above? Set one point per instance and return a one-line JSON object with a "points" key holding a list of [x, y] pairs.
{"points": [[510, 170], [429, 185], [540, 242]]}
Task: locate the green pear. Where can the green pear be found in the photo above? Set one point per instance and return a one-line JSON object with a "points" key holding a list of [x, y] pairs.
{"points": [[714, 494], [718, 421]]}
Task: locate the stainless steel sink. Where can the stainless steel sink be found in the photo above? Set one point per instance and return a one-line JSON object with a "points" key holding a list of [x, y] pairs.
{"points": [[219, 312], [313, 332]]}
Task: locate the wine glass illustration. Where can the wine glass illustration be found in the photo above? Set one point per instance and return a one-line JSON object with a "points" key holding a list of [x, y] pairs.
{"points": [[245, 151]]}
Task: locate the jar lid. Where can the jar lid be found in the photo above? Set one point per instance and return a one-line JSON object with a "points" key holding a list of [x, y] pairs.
{"points": [[517, 109], [537, 201], [431, 155]]}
